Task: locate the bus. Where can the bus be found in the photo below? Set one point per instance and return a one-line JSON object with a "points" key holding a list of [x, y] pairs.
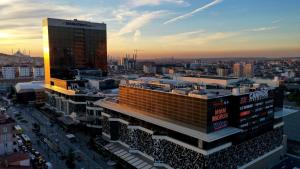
{"points": [[18, 129], [26, 140]]}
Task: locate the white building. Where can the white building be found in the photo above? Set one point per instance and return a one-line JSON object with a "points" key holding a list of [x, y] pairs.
{"points": [[8, 72], [24, 71], [38, 72], [149, 69], [222, 72]]}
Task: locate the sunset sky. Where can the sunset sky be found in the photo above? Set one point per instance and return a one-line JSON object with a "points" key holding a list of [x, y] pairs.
{"points": [[164, 28]]}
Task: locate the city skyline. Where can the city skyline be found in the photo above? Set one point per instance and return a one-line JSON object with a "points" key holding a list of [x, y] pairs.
{"points": [[164, 28]]}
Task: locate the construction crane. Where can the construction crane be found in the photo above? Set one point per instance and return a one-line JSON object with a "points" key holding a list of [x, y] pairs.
{"points": [[135, 53]]}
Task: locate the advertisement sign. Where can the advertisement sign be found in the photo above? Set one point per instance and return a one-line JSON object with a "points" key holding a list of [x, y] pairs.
{"points": [[245, 113], [258, 95], [219, 114]]}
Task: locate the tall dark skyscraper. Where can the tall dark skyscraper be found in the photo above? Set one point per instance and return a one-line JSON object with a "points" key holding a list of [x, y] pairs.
{"points": [[70, 45]]}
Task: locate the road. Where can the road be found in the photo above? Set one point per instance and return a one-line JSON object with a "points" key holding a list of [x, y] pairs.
{"points": [[289, 162], [91, 160]]}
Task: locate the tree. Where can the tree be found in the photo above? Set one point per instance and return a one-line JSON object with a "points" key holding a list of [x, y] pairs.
{"points": [[70, 160]]}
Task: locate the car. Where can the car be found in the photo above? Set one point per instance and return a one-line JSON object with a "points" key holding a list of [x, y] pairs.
{"points": [[49, 165], [23, 148], [32, 150], [20, 143], [37, 154]]}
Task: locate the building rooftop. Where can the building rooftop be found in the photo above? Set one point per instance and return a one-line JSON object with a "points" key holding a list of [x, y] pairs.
{"points": [[29, 86], [5, 119], [167, 123], [214, 77], [75, 24], [83, 91], [191, 89]]}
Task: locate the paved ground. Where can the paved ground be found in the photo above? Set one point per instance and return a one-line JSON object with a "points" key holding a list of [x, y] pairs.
{"points": [[289, 163], [91, 160]]}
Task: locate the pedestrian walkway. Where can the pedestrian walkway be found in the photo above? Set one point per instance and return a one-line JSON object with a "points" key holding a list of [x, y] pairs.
{"points": [[132, 159]]}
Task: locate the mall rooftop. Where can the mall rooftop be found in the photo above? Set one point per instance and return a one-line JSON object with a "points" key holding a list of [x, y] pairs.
{"points": [[187, 88]]}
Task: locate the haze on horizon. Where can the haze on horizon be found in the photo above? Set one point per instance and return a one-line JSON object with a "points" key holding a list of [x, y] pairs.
{"points": [[164, 28]]}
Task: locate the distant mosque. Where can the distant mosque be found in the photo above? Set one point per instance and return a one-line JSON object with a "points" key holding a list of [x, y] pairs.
{"points": [[20, 54]]}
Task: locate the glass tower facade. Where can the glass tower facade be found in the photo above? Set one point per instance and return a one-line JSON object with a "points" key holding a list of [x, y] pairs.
{"points": [[71, 45]]}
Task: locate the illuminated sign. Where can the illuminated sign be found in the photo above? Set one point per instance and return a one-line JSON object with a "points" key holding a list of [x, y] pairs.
{"points": [[220, 111], [220, 103], [245, 113], [258, 95], [220, 124], [220, 114], [219, 117]]}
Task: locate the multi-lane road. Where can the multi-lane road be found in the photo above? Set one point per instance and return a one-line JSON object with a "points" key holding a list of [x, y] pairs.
{"points": [[90, 159]]}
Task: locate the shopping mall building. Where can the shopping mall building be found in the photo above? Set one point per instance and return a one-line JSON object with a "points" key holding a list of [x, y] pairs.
{"points": [[178, 124]]}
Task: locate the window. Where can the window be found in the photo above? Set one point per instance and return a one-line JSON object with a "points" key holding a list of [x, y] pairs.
{"points": [[5, 130]]}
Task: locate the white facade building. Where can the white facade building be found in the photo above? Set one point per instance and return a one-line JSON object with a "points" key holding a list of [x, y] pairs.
{"points": [[38, 72], [24, 71], [8, 72]]}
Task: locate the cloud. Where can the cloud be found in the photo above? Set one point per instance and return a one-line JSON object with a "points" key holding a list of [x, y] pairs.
{"points": [[122, 14], [196, 38], [213, 3], [184, 35], [261, 29], [277, 21], [18, 9], [137, 35], [138, 22], [138, 3], [23, 19]]}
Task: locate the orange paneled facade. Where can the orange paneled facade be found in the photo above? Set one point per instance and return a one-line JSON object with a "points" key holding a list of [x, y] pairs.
{"points": [[185, 110]]}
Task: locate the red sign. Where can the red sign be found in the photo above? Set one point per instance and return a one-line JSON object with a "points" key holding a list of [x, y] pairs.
{"points": [[220, 111], [245, 113], [219, 117]]}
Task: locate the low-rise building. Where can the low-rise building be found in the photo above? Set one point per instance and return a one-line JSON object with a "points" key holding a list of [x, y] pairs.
{"points": [[8, 72], [30, 92], [38, 72], [24, 71], [6, 134]]}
